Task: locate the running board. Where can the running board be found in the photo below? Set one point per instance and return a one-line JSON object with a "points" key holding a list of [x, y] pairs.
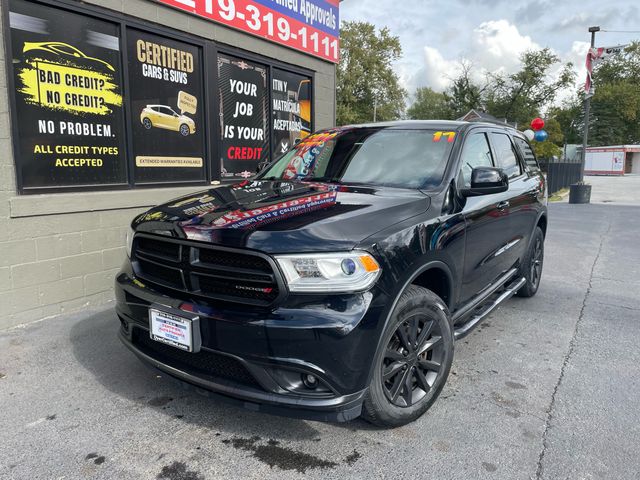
{"points": [[510, 290]]}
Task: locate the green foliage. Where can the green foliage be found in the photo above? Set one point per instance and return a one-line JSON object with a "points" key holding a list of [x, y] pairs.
{"points": [[430, 105], [570, 117], [366, 77], [552, 146], [464, 94], [523, 95], [615, 107]]}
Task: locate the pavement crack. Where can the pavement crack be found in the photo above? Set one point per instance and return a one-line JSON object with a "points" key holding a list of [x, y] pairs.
{"points": [[567, 358]]}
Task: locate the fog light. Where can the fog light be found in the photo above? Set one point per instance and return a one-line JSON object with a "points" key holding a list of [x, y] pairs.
{"points": [[310, 381]]}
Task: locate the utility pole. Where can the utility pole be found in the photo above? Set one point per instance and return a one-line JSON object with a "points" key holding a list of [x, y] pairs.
{"points": [[587, 110]]}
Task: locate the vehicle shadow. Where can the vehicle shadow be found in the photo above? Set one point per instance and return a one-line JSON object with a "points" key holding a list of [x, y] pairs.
{"points": [[97, 349]]}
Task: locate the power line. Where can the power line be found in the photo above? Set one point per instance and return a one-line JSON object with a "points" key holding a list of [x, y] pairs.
{"points": [[621, 31]]}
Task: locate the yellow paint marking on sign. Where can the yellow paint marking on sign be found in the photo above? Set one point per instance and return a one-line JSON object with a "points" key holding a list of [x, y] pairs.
{"points": [[67, 88]]}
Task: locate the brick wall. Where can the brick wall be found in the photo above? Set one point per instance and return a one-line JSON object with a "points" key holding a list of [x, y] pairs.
{"points": [[59, 253]]}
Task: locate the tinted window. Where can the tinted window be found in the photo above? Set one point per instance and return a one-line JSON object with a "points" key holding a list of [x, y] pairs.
{"points": [[476, 153], [389, 157], [506, 154], [527, 153]]}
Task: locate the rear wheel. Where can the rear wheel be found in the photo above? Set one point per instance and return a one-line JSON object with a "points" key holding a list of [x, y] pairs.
{"points": [[414, 364], [531, 269]]}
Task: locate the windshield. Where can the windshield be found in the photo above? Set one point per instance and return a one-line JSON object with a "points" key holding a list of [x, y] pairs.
{"points": [[372, 156]]}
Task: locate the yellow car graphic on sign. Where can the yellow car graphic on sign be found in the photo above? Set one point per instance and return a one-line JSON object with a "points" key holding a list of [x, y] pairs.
{"points": [[63, 50], [163, 116]]}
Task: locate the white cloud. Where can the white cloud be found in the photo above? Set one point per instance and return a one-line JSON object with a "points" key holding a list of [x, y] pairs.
{"points": [[497, 46], [438, 71]]}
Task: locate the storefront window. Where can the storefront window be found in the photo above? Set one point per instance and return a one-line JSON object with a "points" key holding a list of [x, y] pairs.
{"points": [[197, 111], [243, 114], [68, 95]]}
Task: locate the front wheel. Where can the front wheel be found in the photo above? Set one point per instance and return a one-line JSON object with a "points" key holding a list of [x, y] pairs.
{"points": [[531, 268], [412, 368], [147, 123], [184, 130]]}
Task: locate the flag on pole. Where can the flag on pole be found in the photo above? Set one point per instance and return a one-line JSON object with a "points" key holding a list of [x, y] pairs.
{"points": [[595, 56]]}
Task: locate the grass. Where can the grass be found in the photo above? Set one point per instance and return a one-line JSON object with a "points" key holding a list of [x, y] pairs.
{"points": [[559, 195]]}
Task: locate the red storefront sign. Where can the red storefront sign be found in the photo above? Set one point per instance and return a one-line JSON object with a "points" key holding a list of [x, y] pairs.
{"points": [[311, 26]]}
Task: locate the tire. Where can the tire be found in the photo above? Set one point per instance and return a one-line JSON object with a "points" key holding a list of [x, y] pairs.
{"points": [[389, 402], [184, 130], [531, 268], [147, 123]]}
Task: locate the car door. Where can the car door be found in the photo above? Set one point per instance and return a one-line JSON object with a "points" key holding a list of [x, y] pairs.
{"points": [[516, 200], [530, 190], [164, 119], [486, 220]]}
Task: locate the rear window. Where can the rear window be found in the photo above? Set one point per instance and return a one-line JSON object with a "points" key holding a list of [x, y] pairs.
{"points": [[527, 153]]}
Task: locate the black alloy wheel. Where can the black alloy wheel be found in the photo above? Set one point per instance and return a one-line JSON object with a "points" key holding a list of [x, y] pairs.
{"points": [[531, 268], [412, 360], [184, 130], [147, 123], [536, 263]]}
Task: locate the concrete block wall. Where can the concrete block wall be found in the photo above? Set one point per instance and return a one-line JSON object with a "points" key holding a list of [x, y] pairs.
{"points": [[59, 253]]}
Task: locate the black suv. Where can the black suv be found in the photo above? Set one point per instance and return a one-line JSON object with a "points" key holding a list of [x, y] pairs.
{"points": [[335, 283]]}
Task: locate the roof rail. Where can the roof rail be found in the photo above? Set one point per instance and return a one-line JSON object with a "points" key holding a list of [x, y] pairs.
{"points": [[495, 122]]}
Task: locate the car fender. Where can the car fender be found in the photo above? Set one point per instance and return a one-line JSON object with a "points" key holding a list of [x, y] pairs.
{"points": [[424, 267]]}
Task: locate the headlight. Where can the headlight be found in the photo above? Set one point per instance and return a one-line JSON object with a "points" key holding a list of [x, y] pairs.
{"points": [[329, 272], [130, 233]]}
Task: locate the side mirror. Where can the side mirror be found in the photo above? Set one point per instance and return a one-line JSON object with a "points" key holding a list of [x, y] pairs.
{"points": [[485, 181], [261, 166]]}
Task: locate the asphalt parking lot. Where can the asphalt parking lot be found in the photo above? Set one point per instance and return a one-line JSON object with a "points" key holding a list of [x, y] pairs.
{"points": [[547, 387]]}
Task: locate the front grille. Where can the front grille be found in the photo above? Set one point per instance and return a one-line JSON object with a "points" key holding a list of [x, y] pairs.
{"points": [[206, 270], [204, 364]]}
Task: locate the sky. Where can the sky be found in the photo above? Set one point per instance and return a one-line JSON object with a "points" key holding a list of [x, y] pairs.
{"points": [[491, 34]]}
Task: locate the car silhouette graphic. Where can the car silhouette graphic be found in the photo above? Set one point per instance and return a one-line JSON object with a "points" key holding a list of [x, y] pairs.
{"points": [[63, 50]]}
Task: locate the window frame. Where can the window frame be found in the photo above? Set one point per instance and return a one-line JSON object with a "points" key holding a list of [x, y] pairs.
{"points": [[516, 154], [470, 133]]}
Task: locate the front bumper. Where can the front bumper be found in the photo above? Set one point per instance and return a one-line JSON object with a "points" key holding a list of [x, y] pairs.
{"points": [[330, 337]]}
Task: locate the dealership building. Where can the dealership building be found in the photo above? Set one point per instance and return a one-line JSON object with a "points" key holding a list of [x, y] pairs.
{"points": [[108, 107]]}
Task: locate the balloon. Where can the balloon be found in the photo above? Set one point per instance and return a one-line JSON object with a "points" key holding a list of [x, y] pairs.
{"points": [[541, 136], [530, 134], [537, 124]]}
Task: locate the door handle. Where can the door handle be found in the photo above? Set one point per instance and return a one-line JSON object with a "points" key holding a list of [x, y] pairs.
{"points": [[503, 205]]}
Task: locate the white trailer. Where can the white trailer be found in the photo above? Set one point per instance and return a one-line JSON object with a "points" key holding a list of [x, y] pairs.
{"points": [[612, 160]]}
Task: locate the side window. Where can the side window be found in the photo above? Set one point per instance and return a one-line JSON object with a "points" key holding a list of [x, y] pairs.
{"points": [[506, 154], [476, 153], [527, 153]]}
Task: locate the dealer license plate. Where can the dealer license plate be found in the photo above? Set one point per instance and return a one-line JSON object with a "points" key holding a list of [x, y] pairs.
{"points": [[175, 330]]}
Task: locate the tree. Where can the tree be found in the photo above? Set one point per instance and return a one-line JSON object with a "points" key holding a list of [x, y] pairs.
{"points": [[366, 79], [615, 107], [570, 116], [430, 104], [464, 94], [552, 146], [521, 96]]}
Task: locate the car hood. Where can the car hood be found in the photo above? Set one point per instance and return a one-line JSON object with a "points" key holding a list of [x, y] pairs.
{"points": [[280, 217]]}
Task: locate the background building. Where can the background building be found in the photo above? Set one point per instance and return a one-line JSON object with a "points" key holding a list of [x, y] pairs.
{"points": [[108, 107], [612, 160]]}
